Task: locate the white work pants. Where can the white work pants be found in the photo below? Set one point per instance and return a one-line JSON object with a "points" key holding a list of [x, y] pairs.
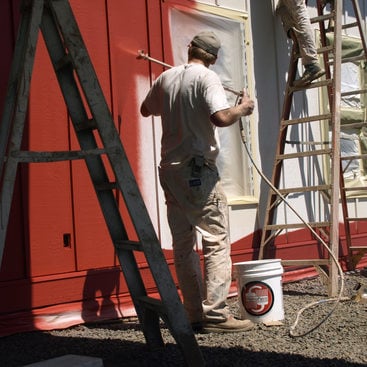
{"points": [[294, 15], [199, 204]]}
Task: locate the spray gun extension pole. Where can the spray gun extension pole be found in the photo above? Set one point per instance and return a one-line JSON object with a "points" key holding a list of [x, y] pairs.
{"points": [[142, 55]]}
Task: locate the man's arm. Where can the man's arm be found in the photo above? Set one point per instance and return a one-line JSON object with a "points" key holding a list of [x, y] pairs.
{"points": [[230, 115]]}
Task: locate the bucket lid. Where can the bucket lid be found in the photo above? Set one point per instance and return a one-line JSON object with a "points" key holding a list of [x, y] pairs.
{"points": [[264, 266], [259, 262]]}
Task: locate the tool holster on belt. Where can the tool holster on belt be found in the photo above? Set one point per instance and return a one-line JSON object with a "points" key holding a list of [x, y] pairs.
{"points": [[197, 163]]}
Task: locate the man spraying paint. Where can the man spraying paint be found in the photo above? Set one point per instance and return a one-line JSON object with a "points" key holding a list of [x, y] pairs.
{"points": [[191, 102]]}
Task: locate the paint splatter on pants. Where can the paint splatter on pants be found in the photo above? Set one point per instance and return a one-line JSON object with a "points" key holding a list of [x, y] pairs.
{"points": [[294, 15], [198, 204]]}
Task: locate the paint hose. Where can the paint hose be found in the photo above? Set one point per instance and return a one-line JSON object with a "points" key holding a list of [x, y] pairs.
{"points": [[341, 290]]}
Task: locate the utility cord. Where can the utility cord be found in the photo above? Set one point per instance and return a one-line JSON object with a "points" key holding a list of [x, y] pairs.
{"points": [[341, 290]]}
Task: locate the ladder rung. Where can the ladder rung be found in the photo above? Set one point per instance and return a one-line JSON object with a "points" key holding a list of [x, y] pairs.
{"points": [[353, 92], [352, 157], [326, 116], [153, 304], [350, 25], [304, 154], [322, 18], [353, 59], [305, 143], [129, 245], [304, 189], [39, 157], [355, 219], [322, 50], [296, 225], [357, 188], [345, 26], [358, 248], [322, 83], [308, 262], [349, 59], [355, 124]]}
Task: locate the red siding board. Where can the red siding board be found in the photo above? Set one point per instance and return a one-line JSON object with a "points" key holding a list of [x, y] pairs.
{"points": [[49, 191], [93, 245], [126, 71]]}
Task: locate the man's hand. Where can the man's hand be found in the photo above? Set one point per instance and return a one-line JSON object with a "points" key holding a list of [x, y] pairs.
{"points": [[231, 115], [247, 104]]}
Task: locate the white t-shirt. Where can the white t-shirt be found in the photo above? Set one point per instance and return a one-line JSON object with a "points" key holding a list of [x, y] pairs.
{"points": [[185, 96]]}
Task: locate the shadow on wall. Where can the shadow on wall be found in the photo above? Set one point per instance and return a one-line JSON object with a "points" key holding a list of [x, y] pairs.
{"points": [[272, 50], [101, 288]]}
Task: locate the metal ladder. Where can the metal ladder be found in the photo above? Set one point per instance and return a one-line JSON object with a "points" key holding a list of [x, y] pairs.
{"points": [[321, 158], [83, 97]]}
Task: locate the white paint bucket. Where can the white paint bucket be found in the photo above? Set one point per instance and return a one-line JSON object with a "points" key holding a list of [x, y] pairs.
{"points": [[260, 294]]}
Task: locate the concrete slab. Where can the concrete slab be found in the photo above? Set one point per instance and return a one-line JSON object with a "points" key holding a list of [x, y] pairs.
{"points": [[69, 360]]}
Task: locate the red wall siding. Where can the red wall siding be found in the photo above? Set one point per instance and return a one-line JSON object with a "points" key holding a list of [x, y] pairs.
{"points": [[93, 246], [57, 200], [49, 206], [54, 201]]}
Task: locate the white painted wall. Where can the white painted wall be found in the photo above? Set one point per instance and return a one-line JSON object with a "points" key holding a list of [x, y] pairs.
{"points": [[268, 67]]}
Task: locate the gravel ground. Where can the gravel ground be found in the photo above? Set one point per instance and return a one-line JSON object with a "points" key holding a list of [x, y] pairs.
{"points": [[340, 341]]}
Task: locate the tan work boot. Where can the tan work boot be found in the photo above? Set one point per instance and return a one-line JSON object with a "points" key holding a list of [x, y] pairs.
{"points": [[231, 325]]}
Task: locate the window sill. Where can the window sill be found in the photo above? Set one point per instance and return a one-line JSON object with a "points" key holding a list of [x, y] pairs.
{"points": [[242, 200]]}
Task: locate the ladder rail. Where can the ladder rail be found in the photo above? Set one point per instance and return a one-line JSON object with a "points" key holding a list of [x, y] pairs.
{"points": [[17, 76], [81, 90], [127, 184], [276, 175], [357, 13], [118, 160], [353, 259], [15, 109], [335, 170]]}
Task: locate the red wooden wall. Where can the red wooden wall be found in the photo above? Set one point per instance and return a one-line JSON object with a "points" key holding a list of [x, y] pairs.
{"points": [[58, 250], [58, 257]]}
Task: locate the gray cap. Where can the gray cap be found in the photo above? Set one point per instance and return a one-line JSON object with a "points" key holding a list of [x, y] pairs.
{"points": [[207, 41]]}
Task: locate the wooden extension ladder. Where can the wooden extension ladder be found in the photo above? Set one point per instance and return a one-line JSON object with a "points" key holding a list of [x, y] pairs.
{"points": [[80, 87], [321, 184], [359, 157]]}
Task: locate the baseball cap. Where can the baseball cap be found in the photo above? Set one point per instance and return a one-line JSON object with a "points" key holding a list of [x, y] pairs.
{"points": [[207, 41]]}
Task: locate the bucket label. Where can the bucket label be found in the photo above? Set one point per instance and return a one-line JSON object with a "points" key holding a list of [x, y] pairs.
{"points": [[257, 298]]}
